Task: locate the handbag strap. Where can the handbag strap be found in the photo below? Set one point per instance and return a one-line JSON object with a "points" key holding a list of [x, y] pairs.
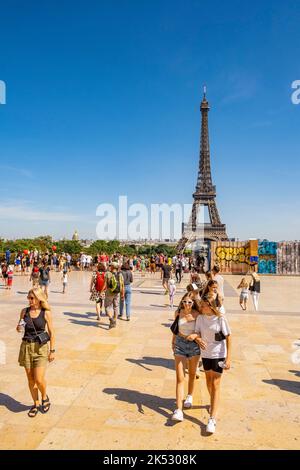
{"points": [[28, 311]]}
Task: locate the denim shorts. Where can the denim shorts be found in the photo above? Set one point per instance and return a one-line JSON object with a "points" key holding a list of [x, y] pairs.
{"points": [[186, 348]]}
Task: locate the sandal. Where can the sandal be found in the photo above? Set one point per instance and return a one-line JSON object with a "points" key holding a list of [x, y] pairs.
{"points": [[33, 411], [46, 405]]}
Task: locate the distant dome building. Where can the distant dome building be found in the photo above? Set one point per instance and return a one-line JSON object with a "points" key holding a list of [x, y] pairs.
{"points": [[75, 236]]}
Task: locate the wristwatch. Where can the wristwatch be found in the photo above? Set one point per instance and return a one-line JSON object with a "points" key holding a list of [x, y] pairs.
{"points": [[52, 350]]}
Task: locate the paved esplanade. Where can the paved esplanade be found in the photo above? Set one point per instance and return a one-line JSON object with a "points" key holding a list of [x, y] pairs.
{"points": [[116, 389]]}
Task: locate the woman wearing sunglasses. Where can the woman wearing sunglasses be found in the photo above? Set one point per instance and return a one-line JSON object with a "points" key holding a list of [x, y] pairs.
{"points": [[33, 355], [186, 349], [213, 329]]}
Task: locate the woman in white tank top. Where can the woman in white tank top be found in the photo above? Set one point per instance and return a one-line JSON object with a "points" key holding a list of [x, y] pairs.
{"points": [[184, 349]]}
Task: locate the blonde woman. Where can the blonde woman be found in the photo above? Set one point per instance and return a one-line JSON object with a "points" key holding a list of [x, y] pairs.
{"points": [[185, 349], [33, 355], [244, 293], [255, 289], [214, 331]]}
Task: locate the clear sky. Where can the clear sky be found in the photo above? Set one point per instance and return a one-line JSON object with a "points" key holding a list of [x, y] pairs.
{"points": [[102, 100]]}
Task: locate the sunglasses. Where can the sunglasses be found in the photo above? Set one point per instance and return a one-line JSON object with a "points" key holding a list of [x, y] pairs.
{"points": [[31, 298], [187, 302]]}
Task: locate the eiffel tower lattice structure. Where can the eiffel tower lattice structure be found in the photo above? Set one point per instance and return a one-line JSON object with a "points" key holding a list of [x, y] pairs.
{"points": [[204, 195]]}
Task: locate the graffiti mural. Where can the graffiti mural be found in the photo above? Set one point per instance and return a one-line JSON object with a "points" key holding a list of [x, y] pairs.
{"points": [[231, 256], [267, 257], [273, 258], [288, 257], [237, 255]]}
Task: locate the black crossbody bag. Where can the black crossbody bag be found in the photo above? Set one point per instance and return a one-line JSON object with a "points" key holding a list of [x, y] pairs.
{"points": [[175, 327], [43, 337]]}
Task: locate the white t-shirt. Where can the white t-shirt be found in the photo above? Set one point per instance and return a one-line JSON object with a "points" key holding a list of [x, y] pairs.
{"points": [[207, 326], [220, 282]]}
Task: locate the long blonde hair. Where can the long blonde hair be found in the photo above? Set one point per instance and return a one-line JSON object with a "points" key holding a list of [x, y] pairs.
{"points": [[243, 283], [40, 296]]}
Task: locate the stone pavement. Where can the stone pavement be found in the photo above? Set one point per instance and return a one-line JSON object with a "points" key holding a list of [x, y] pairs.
{"points": [[116, 389]]}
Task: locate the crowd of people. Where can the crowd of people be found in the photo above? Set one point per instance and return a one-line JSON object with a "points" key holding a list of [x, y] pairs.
{"points": [[201, 333]]}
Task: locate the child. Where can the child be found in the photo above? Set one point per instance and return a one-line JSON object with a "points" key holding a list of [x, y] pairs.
{"points": [[172, 290], [244, 293], [64, 280], [35, 274], [10, 275]]}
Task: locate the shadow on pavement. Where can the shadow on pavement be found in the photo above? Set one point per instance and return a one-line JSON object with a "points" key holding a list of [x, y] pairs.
{"points": [[287, 385], [89, 323], [80, 315], [86, 315], [150, 292], [163, 406], [11, 404], [296, 372], [160, 306], [153, 361]]}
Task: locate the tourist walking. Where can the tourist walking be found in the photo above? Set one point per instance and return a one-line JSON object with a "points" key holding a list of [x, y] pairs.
{"points": [[114, 288], [64, 280], [152, 265], [214, 331], [166, 272], [7, 256], [44, 279], [128, 279], [98, 288], [178, 270], [195, 278], [220, 280], [10, 275], [172, 291], [244, 295], [34, 276], [255, 289], [34, 351], [185, 349], [4, 269]]}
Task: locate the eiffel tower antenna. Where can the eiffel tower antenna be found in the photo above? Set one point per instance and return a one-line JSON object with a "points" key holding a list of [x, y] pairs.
{"points": [[205, 192]]}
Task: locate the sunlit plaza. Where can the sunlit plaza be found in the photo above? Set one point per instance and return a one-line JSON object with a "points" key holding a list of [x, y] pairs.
{"points": [[115, 389]]}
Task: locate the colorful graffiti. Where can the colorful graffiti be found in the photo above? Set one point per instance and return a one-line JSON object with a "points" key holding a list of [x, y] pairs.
{"points": [[267, 248], [267, 257], [235, 254]]}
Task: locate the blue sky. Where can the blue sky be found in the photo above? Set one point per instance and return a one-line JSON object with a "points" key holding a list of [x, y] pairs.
{"points": [[103, 100]]}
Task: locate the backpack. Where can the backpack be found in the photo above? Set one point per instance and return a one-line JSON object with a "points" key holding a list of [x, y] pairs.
{"points": [[114, 283], [45, 274], [100, 282]]}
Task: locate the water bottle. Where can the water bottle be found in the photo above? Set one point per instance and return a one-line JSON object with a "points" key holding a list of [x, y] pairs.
{"points": [[22, 324], [222, 364]]}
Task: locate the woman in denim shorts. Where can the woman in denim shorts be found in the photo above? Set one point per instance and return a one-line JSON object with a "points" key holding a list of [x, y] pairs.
{"points": [[184, 349]]}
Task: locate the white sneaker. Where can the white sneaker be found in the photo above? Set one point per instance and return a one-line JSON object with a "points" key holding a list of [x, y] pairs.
{"points": [[211, 426], [177, 415], [188, 403]]}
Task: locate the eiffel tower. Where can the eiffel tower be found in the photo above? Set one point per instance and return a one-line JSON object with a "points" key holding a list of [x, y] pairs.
{"points": [[204, 195]]}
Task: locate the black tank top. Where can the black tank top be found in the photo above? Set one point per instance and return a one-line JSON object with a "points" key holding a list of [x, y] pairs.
{"points": [[39, 324]]}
